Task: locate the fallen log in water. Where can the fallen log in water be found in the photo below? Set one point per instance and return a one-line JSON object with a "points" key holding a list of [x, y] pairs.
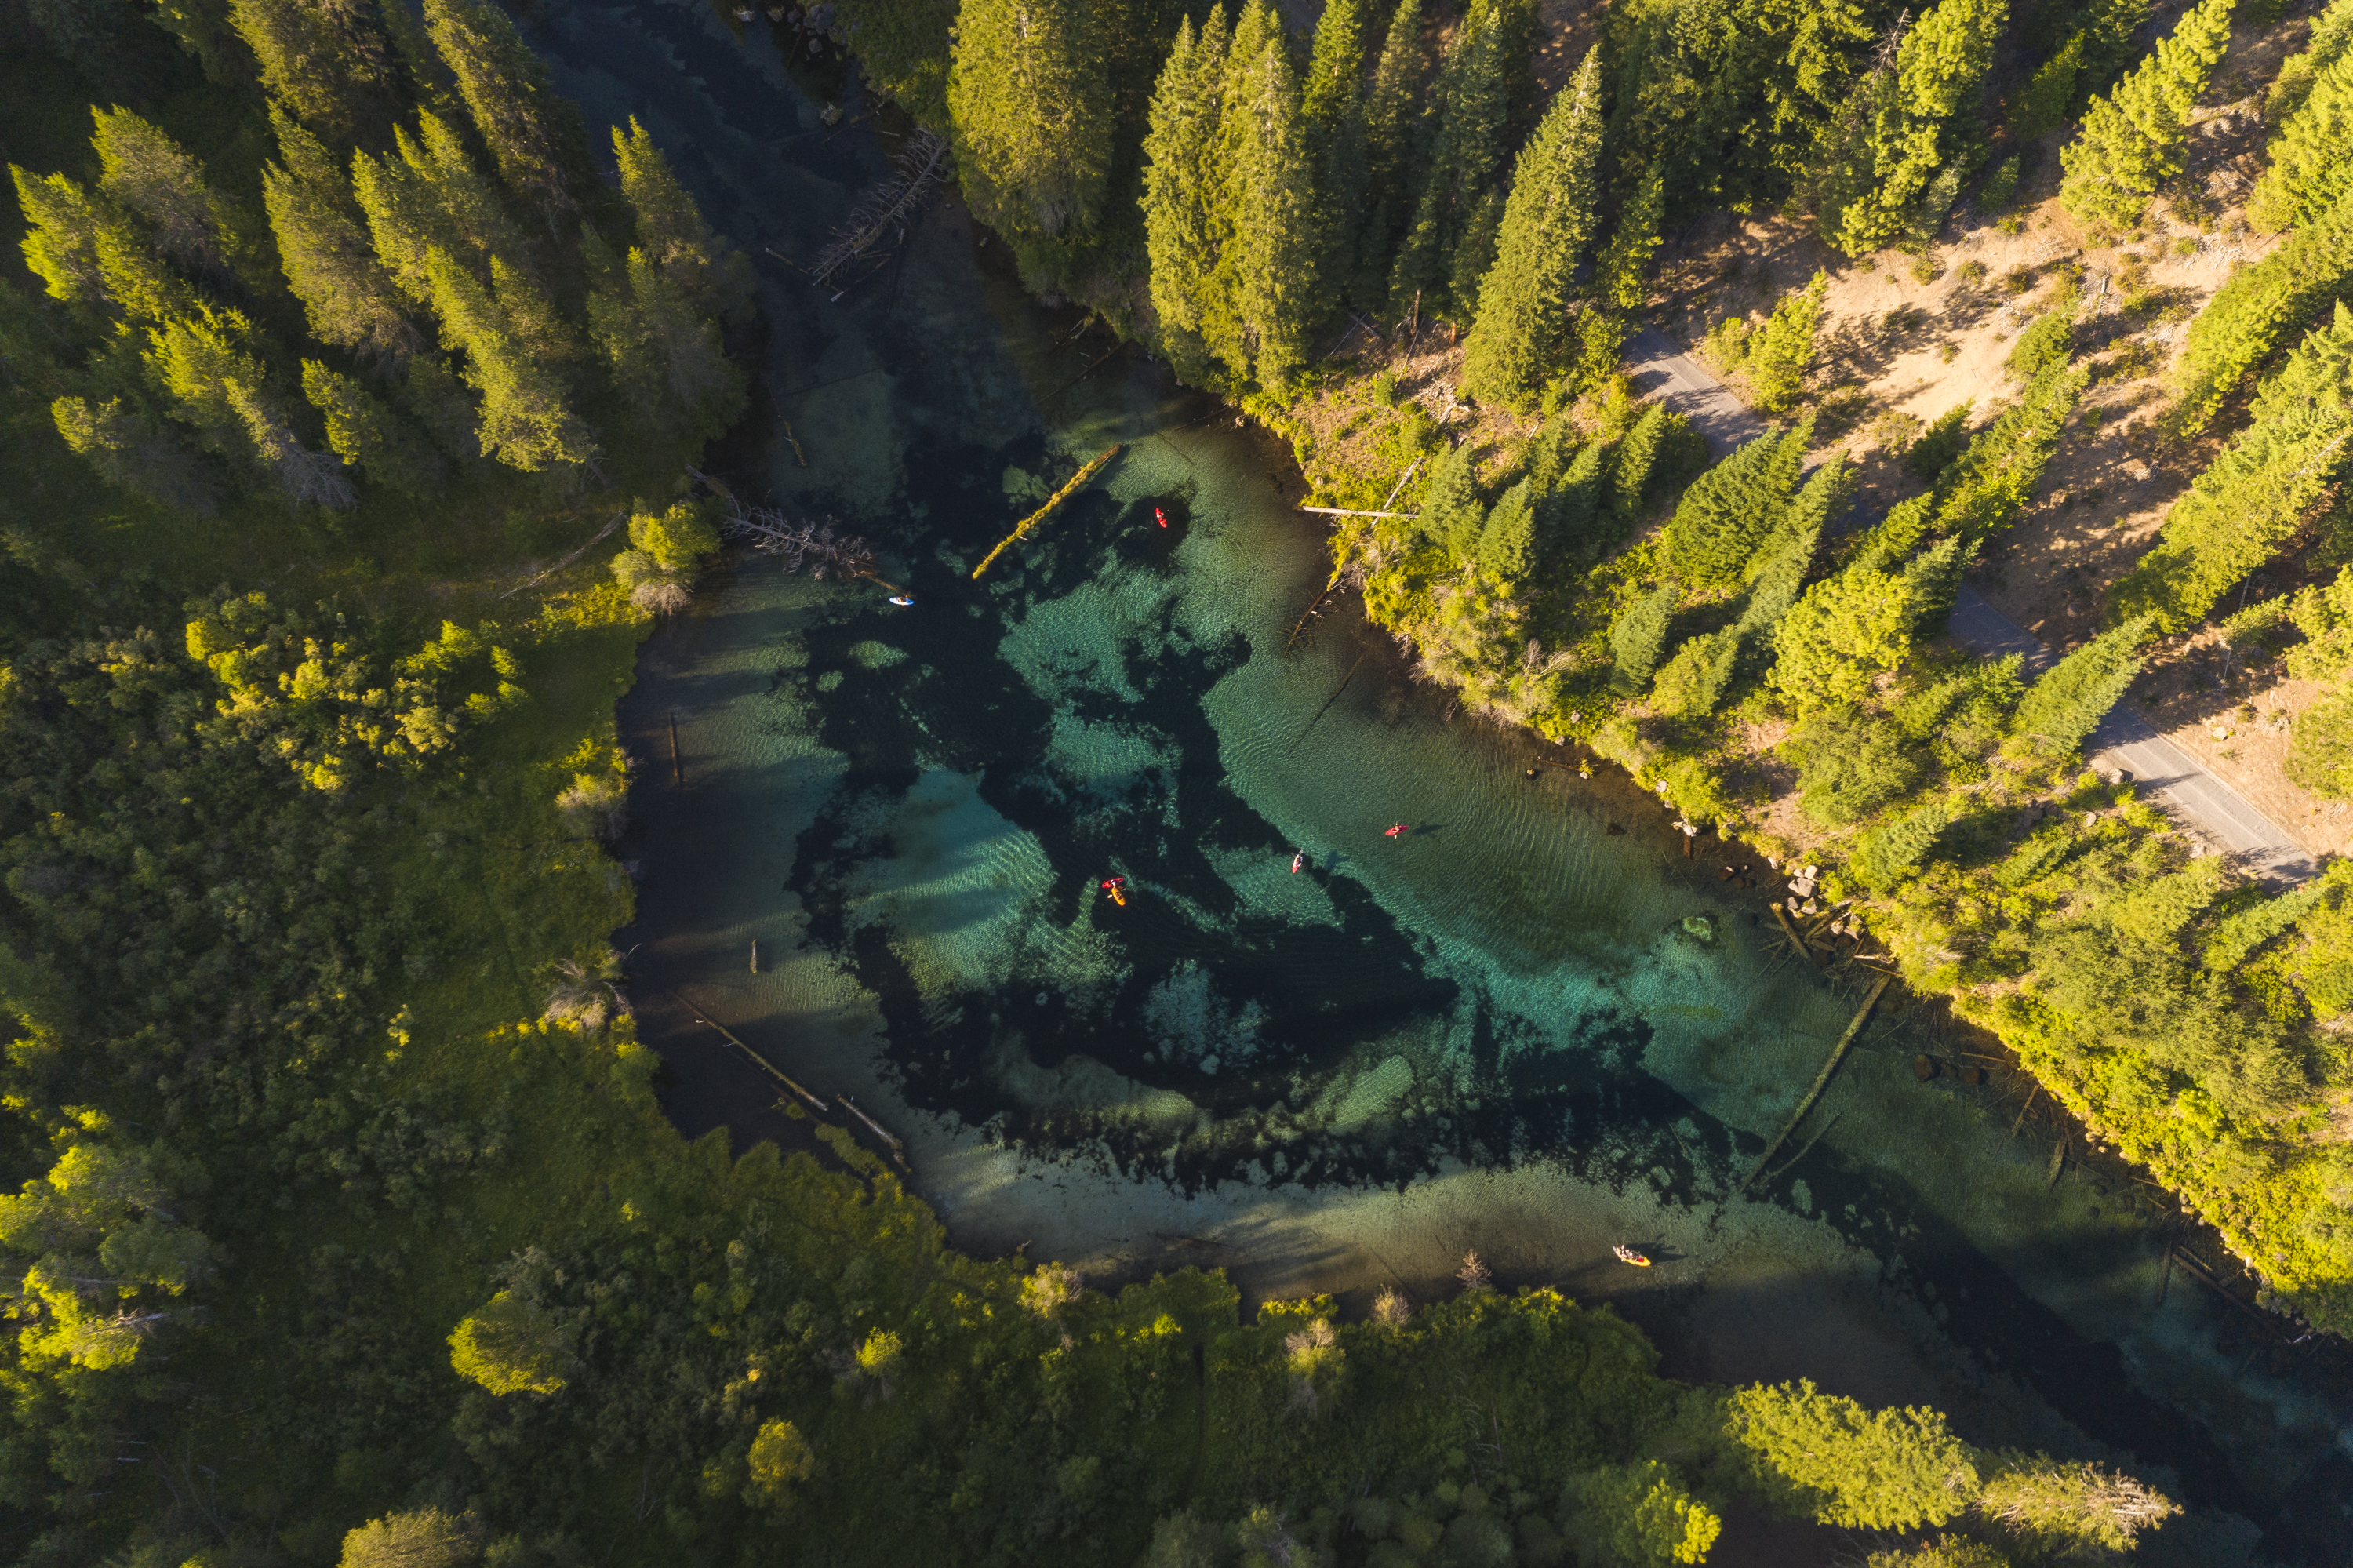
{"points": [[1821, 1080], [764, 1064], [898, 1150], [1078, 482]]}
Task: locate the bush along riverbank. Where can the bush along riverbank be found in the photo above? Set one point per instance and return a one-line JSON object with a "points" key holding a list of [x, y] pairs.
{"points": [[1298, 222]]}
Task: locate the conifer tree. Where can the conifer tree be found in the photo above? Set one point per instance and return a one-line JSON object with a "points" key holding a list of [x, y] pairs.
{"points": [[1841, 634], [2330, 39], [204, 31], [1619, 284], [1571, 514], [2111, 33], [138, 453], [2252, 499], [1507, 543], [1515, 343], [1265, 275], [223, 392], [1032, 113], [146, 172], [1991, 482], [532, 133], [2131, 140], [1452, 498], [1939, 69], [1888, 546], [60, 243], [1691, 683], [1181, 187], [526, 417], [2256, 308], [2043, 103], [671, 229], [1886, 856], [1464, 134], [1809, 84], [349, 299], [2312, 158], [325, 61], [428, 194], [664, 353], [1639, 636], [1634, 464], [1725, 514], [363, 431], [1332, 120], [1391, 116], [1932, 581], [1782, 350], [2071, 699], [432, 395], [1818, 503]]}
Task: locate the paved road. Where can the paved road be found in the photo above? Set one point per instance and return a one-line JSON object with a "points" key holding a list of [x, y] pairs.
{"points": [[2123, 741]]}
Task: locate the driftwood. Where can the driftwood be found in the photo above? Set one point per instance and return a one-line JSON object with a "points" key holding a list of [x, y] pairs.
{"points": [[1078, 482], [802, 542], [1344, 512], [884, 213], [1821, 1081], [898, 1150], [764, 1064]]}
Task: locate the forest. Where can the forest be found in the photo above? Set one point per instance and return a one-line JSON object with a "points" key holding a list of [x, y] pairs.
{"points": [[351, 1229]]}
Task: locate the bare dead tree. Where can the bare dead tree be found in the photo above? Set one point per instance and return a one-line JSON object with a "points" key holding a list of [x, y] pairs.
{"points": [[883, 214], [819, 547]]}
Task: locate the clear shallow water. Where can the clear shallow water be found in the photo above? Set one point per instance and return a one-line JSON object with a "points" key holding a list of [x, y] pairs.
{"points": [[1492, 1032]]}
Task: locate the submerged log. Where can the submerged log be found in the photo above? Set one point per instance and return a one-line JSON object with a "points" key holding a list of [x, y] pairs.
{"points": [[1821, 1081], [764, 1064], [1078, 482]]}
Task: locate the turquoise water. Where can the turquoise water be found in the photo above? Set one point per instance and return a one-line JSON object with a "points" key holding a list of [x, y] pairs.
{"points": [[1493, 1032]]}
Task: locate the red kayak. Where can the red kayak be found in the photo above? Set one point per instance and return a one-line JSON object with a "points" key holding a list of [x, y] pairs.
{"points": [[1397, 833], [1163, 516]]}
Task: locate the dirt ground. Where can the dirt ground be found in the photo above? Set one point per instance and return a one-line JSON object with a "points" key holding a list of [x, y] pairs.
{"points": [[1904, 340]]}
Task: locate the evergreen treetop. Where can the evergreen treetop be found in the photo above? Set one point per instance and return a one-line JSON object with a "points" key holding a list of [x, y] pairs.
{"points": [[2312, 158], [2068, 702], [349, 299], [1182, 234], [149, 174], [328, 65], [671, 229], [1029, 102], [533, 134], [2131, 141], [1940, 69], [2330, 38], [1523, 319]]}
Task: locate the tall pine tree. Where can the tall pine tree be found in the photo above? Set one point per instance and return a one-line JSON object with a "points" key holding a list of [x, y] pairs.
{"points": [[326, 62], [1030, 99], [2131, 140], [2071, 699], [671, 229], [1940, 69], [349, 299], [1332, 119], [2312, 158], [427, 194], [1516, 342], [150, 175], [1182, 191], [137, 452], [364, 433], [534, 134], [1264, 281], [1462, 153], [527, 417], [1392, 114]]}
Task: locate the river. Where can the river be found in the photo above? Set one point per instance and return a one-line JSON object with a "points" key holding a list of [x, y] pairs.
{"points": [[1500, 1030]]}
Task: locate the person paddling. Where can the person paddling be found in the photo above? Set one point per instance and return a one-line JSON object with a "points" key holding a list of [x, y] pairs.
{"points": [[1297, 861], [1163, 516], [1395, 832]]}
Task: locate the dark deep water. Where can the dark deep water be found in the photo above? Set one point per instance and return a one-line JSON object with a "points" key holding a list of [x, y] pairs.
{"points": [[1492, 1032]]}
